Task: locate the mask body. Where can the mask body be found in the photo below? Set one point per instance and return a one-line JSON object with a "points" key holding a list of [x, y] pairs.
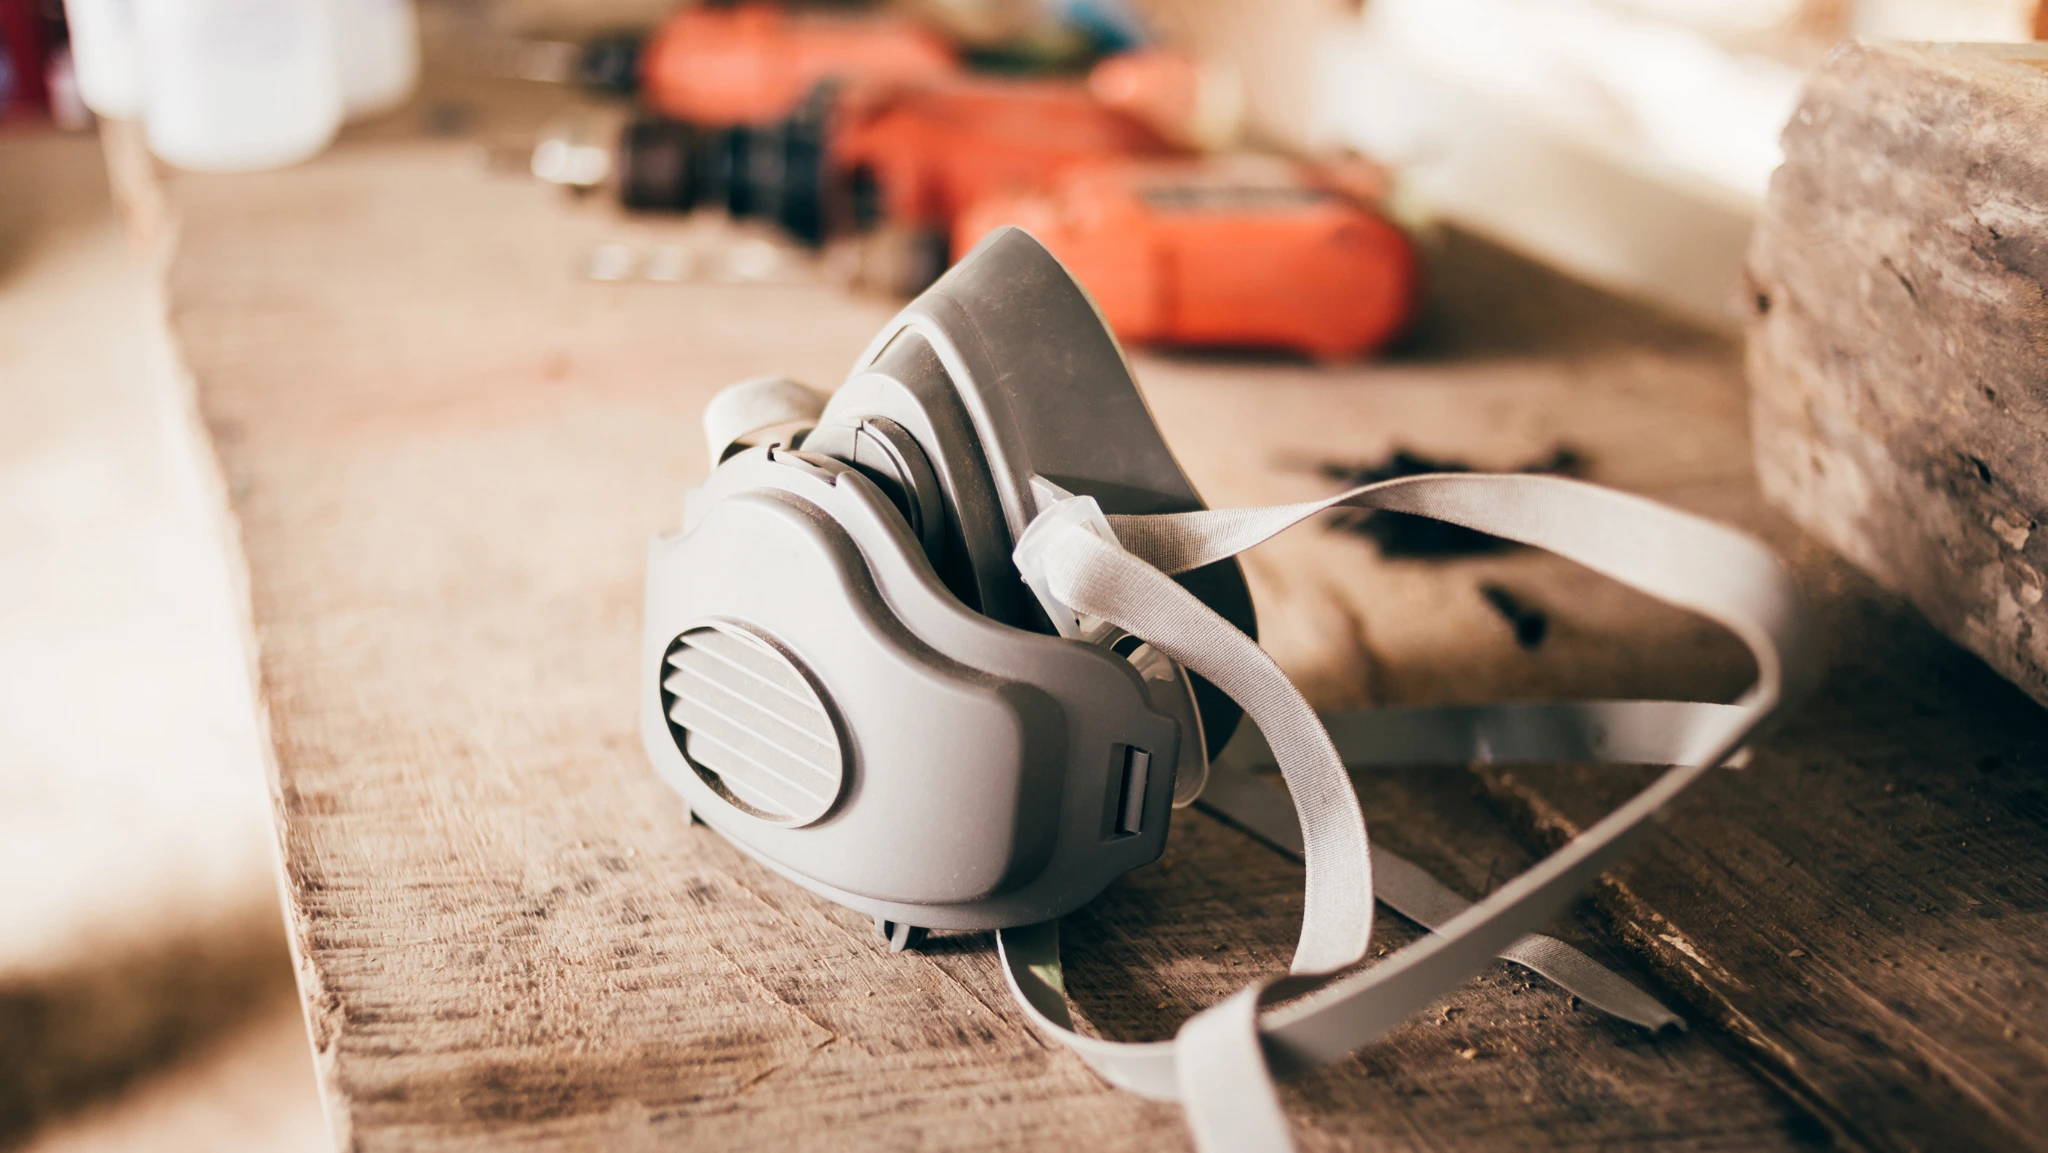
{"points": [[844, 673]]}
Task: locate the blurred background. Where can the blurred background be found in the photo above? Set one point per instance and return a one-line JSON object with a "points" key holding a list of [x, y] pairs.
{"points": [[145, 985]]}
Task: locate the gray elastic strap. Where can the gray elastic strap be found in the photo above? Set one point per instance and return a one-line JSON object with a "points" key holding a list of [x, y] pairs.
{"points": [[1221, 1047], [1612, 732], [741, 410], [1683, 560], [1411, 891], [1104, 581], [1618, 732]]}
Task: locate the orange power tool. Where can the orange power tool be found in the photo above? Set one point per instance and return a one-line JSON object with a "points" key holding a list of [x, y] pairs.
{"points": [[926, 152], [854, 155], [1239, 252], [892, 164], [752, 62]]}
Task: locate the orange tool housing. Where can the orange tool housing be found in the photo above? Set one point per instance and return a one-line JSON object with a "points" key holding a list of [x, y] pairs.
{"points": [[1248, 254], [751, 63], [928, 151]]}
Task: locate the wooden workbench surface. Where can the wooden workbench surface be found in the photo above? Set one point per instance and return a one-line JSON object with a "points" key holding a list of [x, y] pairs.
{"points": [[444, 448]]}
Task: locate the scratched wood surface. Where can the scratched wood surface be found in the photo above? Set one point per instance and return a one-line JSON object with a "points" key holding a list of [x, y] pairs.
{"points": [[444, 449]]}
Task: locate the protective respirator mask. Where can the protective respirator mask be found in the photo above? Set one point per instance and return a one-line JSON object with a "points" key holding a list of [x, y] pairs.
{"points": [[952, 650]]}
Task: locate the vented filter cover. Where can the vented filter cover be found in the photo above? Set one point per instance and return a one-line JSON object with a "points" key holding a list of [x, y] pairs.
{"points": [[751, 725]]}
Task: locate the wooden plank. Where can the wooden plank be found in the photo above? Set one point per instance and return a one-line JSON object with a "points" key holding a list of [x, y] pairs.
{"points": [[1898, 824], [1863, 907], [444, 451], [1899, 335]]}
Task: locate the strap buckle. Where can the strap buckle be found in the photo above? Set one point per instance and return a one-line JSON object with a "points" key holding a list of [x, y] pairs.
{"points": [[1060, 512]]}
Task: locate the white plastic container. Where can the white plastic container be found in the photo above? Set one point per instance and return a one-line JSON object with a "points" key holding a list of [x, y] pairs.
{"points": [[377, 54], [234, 85], [106, 58]]}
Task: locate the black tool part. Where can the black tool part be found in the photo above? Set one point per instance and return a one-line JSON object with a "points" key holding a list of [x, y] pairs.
{"points": [[899, 935], [725, 171], [926, 253], [661, 167], [864, 205], [779, 171], [611, 63], [801, 193]]}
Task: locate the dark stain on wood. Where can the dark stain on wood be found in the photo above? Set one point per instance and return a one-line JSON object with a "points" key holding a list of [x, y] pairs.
{"points": [[1398, 534], [1529, 623]]}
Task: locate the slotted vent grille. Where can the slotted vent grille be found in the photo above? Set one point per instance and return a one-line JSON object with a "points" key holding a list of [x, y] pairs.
{"points": [[750, 724]]}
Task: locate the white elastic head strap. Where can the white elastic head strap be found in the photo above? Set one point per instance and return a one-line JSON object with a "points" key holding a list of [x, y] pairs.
{"points": [[1220, 1065], [744, 410]]}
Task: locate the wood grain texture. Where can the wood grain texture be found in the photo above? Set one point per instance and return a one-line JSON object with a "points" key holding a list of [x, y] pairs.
{"points": [[1865, 909], [445, 451], [1899, 336]]}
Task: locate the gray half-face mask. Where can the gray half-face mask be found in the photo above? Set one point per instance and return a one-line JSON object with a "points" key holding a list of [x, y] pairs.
{"points": [[952, 649]]}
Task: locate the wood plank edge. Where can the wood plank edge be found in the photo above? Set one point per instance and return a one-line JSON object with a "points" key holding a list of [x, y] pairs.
{"points": [[140, 192]]}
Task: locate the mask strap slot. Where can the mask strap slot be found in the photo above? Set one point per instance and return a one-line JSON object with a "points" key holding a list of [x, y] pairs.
{"points": [[1222, 1062]]}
